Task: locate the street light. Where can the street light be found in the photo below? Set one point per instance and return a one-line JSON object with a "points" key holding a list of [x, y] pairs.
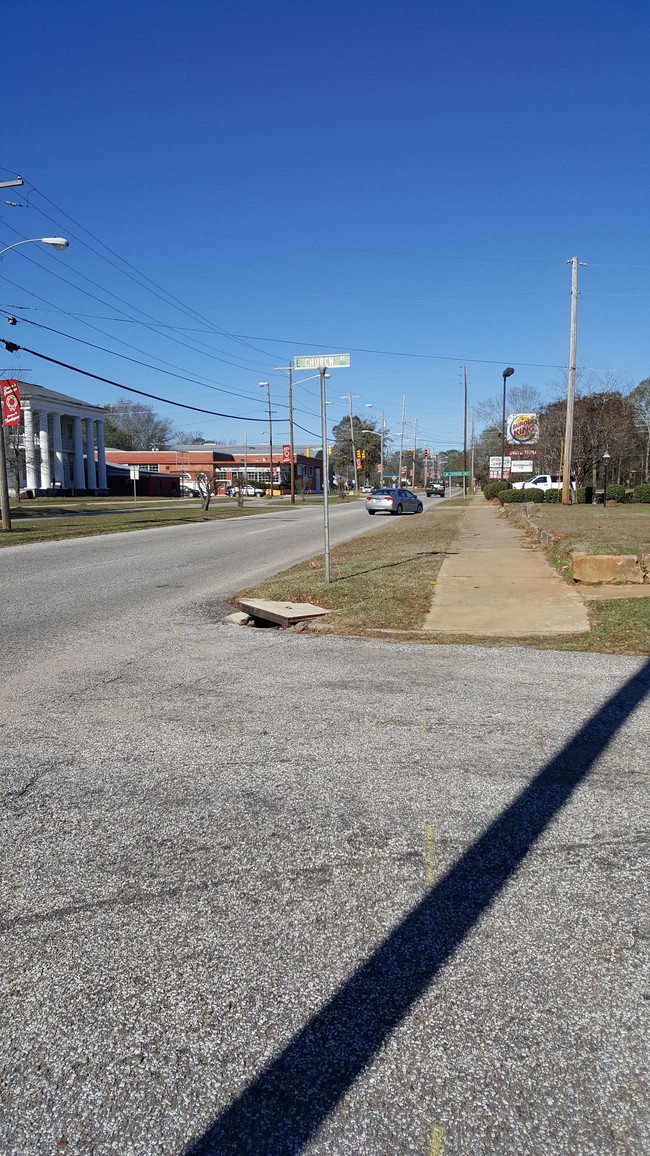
{"points": [[506, 373], [267, 386], [606, 461], [56, 243]]}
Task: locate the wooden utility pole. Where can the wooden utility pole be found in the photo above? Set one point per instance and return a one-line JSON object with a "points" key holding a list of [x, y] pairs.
{"points": [[292, 469], [567, 492], [415, 438], [471, 468]]}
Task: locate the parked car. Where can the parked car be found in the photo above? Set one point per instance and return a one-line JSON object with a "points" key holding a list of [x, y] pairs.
{"points": [[435, 489], [543, 482], [249, 491], [393, 502], [189, 491], [367, 489]]}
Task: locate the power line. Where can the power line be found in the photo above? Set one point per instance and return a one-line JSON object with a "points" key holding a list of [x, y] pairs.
{"points": [[11, 347]]}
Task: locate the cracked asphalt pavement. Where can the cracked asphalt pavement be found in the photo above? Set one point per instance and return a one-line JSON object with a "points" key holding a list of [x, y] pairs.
{"points": [[270, 893]]}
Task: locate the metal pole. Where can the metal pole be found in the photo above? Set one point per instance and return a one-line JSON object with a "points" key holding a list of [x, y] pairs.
{"points": [[245, 459], [506, 373], [292, 468], [401, 442], [381, 462], [354, 452], [270, 436], [325, 479], [465, 431], [571, 386], [415, 437], [503, 426], [4, 485]]}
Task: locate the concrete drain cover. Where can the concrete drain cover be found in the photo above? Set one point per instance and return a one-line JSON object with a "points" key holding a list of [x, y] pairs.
{"points": [[282, 613]]}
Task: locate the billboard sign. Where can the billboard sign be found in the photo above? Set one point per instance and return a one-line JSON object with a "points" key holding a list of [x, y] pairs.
{"points": [[521, 466], [10, 401], [522, 429]]}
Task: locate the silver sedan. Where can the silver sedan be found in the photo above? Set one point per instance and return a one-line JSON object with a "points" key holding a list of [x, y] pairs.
{"points": [[393, 502]]}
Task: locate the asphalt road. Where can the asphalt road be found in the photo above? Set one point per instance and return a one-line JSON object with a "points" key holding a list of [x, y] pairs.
{"points": [[270, 893]]}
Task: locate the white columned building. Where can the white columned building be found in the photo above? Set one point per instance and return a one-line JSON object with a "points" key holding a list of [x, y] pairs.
{"points": [[54, 455]]}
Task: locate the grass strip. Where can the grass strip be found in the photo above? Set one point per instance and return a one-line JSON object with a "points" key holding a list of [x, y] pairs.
{"points": [[38, 527], [380, 582]]}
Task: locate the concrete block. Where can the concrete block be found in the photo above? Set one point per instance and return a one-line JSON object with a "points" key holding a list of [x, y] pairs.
{"points": [[613, 569], [645, 566], [237, 619]]}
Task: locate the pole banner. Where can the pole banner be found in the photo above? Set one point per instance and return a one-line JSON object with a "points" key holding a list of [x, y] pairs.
{"points": [[10, 401]]}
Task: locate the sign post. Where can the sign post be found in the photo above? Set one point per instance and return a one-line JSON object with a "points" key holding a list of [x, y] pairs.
{"points": [[135, 474], [322, 362]]}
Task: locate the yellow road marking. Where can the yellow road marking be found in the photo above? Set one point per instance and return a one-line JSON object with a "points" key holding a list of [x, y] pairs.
{"points": [[437, 1141], [429, 855]]}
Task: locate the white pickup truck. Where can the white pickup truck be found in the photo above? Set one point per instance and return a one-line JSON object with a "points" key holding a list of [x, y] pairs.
{"points": [[542, 482]]}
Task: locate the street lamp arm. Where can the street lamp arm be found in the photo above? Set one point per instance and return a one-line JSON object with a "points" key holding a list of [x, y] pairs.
{"points": [[55, 242]]}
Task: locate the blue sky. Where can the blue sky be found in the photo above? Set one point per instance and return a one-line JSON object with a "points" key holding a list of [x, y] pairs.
{"points": [[246, 182]]}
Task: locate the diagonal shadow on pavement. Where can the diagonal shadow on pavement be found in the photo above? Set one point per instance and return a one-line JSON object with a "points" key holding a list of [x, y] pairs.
{"points": [[285, 1105]]}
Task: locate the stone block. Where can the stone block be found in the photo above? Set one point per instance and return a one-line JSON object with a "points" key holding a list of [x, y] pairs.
{"points": [[645, 565], [611, 569]]}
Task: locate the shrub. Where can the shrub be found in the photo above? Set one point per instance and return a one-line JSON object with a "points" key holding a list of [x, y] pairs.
{"points": [[553, 496], [507, 497], [642, 493], [615, 492], [492, 489], [585, 495]]}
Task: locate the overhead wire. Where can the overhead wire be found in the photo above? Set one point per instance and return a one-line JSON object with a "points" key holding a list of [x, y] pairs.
{"points": [[12, 347]]}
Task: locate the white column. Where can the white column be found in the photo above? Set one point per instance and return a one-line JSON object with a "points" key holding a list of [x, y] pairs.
{"points": [[90, 455], [44, 437], [57, 446], [101, 456], [79, 477], [30, 457]]}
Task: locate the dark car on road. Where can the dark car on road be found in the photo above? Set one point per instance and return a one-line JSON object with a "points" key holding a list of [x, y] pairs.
{"points": [[435, 489]]}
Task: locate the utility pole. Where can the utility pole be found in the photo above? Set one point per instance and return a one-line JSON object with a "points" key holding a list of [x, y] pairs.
{"points": [[245, 459], [292, 469], [350, 397], [401, 441], [4, 485], [381, 451], [567, 493], [415, 437], [471, 468], [465, 431]]}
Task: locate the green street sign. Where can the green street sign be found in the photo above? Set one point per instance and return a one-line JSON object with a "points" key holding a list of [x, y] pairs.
{"points": [[323, 361], [456, 474]]}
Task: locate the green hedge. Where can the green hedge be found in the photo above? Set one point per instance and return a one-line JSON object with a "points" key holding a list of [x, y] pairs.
{"points": [[615, 492], [508, 497], [585, 495], [492, 489], [553, 496], [642, 493]]}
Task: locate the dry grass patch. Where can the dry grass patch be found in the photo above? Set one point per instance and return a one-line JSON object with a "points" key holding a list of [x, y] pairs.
{"points": [[380, 582]]}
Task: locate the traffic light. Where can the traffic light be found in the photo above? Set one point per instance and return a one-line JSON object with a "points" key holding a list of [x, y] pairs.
{"points": [[308, 452], [410, 453], [426, 453]]}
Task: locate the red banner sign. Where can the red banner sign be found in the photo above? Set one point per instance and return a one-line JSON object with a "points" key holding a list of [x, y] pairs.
{"points": [[10, 401], [286, 454]]}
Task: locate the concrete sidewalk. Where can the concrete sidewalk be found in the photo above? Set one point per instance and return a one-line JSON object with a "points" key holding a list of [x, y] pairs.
{"points": [[496, 582]]}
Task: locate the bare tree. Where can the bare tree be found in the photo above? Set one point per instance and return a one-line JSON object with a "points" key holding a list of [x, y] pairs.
{"points": [[639, 399], [207, 485]]}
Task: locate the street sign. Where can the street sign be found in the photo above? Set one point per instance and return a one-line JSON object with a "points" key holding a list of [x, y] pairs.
{"points": [[456, 474], [323, 361], [134, 472]]}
